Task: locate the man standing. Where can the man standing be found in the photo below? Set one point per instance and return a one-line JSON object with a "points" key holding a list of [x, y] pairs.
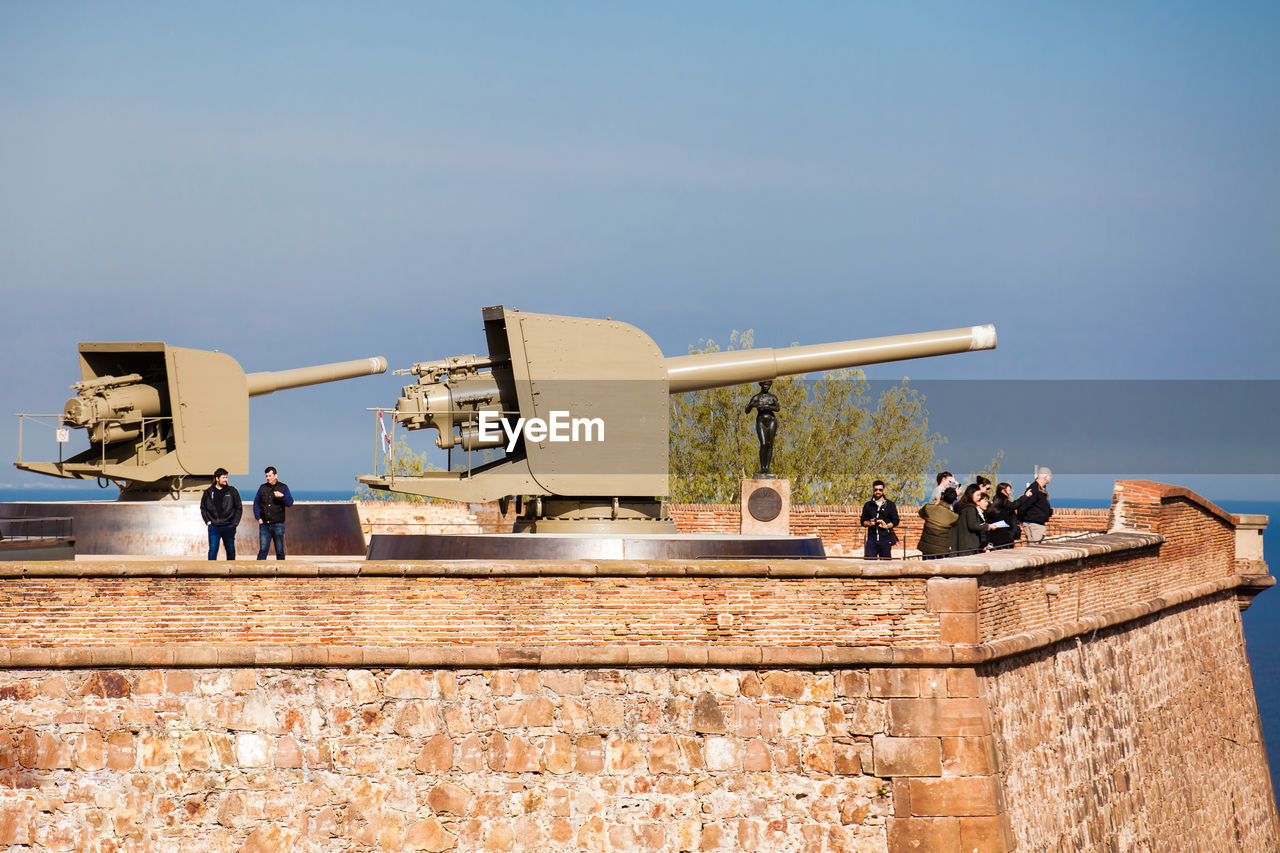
{"points": [[221, 509], [1033, 507], [268, 507], [880, 517]]}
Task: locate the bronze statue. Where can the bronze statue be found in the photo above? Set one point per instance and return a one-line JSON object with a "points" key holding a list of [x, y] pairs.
{"points": [[766, 405]]}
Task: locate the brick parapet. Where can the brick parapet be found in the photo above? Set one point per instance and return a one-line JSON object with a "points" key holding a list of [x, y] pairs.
{"points": [[1138, 505], [837, 524], [843, 535]]}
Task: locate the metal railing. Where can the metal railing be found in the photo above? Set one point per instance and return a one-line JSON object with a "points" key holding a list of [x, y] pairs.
{"points": [[39, 420], [384, 440], [33, 529], [1021, 542], [140, 443]]}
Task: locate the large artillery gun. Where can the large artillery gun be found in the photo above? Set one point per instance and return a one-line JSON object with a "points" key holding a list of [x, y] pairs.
{"points": [[161, 418], [576, 412]]}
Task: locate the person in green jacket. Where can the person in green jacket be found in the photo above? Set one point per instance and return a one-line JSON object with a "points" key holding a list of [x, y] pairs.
{"points": [[935, 539]]}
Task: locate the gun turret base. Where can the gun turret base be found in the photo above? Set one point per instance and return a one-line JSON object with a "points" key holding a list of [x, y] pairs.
{"points": [[176, 489], [569, 546], [600, 516]]}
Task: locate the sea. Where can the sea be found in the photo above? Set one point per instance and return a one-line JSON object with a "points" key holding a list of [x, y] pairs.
{"points": [[1261, 620]]}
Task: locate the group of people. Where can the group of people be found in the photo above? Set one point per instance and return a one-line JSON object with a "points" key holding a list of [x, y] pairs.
{"points": [[976, 520], [966, 522], [221, 509]]}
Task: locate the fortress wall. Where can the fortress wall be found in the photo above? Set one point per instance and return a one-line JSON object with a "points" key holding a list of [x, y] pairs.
{"points": [[1135, 737], [837, 705]]}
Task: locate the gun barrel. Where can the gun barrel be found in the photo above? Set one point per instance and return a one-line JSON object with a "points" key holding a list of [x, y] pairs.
{"points": [[278, 380], [718, 369]]}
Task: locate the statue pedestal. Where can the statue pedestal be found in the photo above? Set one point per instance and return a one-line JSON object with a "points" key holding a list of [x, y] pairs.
{"points": [[766, 507]]}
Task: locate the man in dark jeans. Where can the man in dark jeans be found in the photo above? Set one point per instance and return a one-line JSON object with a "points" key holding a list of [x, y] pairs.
{"points": [[1033, 508], [221, 509], [880, 517], [268, 507]]}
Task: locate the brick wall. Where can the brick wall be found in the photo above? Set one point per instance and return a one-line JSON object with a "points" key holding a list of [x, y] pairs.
{"points": [[438, 610]]}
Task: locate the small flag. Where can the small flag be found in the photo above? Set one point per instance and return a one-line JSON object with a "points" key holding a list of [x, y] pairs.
{"points": [[386, 436]]}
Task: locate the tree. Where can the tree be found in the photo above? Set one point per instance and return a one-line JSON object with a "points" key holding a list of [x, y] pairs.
{"points": [[832, 442]]}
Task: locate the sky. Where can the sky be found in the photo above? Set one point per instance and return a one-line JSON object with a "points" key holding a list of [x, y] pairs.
{"points": [[303, 183]]}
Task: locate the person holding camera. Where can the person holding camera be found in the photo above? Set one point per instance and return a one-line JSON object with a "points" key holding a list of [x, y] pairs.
{"points": [[880, 517]]}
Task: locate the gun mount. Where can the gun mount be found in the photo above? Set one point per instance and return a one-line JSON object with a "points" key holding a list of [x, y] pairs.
{"points": [[157, 415], [578, 411]]}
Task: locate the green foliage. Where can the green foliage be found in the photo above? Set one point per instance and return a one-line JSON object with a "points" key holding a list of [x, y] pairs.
{"points": [[832, 441], [405, 462]]}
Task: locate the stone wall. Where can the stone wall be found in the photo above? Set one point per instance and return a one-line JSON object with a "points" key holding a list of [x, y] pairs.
{"points": [[1091, 694], [1134, 737], [353, 759]]}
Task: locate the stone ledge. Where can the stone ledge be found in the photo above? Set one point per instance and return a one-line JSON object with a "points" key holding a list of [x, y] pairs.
{"points": [[996, 561], [476, 657], [1017, 644]]}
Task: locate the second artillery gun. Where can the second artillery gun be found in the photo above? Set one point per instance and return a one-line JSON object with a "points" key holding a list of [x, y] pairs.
{"points": [[161, 418], [577, 412]]}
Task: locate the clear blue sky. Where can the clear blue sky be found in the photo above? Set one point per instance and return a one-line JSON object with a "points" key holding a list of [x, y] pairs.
{"points": [[299, 183]]}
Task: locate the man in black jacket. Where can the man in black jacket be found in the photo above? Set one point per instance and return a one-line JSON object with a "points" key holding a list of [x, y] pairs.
{"points": [[1033, 507], [221, 509], [269, 504], [880, 517]]}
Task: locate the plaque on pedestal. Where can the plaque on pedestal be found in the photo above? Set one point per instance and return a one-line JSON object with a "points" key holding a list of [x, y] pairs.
{"points": [[766, 507]]}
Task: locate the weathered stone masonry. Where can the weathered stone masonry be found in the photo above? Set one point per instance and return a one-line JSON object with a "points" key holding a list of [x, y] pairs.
{"points": [[1091, 697]]}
